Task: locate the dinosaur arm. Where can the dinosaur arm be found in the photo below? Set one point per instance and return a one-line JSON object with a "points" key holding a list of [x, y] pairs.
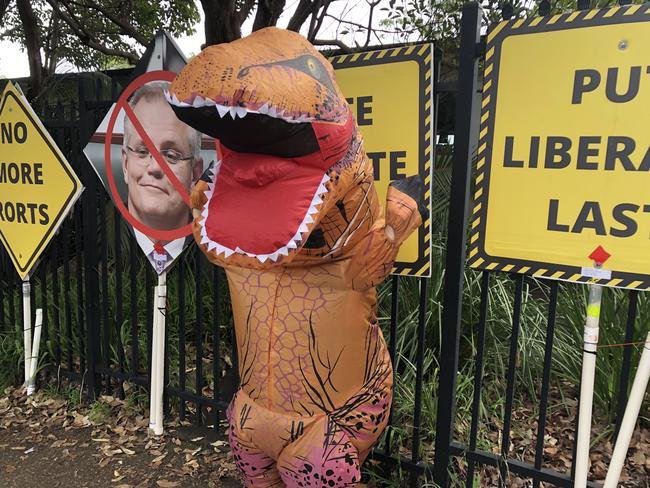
{"points": [[376, 253]]}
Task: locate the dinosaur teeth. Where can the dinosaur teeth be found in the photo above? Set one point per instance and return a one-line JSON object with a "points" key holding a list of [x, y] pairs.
{"points": [[198, 102], [227, 252], [262, 257], [264, 109], [292, 244], [241, 111], [222, 110], [212, 245], [233, 112]]}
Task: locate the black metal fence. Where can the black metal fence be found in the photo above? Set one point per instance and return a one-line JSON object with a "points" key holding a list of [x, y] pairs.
{"points": [[97, 287]]}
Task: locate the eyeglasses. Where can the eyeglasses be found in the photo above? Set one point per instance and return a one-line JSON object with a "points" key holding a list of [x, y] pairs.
{"points": [[172, 157]]}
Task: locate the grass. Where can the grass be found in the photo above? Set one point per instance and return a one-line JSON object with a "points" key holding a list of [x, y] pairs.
{"points": [[566, 364]]}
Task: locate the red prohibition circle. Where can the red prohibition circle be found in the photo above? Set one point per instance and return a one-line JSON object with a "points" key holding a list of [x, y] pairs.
{"points": [[122, 104]]}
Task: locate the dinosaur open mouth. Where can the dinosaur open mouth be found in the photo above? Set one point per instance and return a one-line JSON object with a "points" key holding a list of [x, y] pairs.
{"points": [[265, 222], [264, 195]]}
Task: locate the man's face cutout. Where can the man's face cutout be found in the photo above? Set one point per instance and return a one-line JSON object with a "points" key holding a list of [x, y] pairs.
{"points": [[152, 199]]}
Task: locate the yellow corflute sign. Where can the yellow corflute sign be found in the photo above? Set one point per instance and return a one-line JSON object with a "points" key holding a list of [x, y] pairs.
{"points": [[390, 93], [563, 161], [37, 185]]}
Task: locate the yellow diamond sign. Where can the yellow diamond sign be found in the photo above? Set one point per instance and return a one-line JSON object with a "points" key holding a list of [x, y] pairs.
{"points": [[37, 185]]}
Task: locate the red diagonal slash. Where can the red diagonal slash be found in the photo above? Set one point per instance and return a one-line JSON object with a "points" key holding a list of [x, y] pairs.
{"points": [[122, 104], [153, 150]]}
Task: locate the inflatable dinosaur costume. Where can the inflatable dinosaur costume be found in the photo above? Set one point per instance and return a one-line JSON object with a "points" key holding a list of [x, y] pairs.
{"points": [[291, 213]]}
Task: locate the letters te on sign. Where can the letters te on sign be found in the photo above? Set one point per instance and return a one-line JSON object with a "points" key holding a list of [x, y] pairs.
{"points": [[390, 94]]}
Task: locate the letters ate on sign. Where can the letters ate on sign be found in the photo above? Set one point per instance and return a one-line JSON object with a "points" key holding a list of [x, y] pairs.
{"points": [[37, 185], [390, 94], [564, 148]]}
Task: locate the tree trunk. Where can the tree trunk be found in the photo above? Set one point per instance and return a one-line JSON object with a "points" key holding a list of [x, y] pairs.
{"points": [[268, 12], [33, 45], [222, 22]]}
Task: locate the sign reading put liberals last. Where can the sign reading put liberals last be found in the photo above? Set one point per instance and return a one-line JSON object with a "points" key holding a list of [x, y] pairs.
{"points": [[37, 186], [564, 148], [389, 92]]}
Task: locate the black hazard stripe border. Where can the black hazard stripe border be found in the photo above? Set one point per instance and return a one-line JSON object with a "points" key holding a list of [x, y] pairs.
{"points": [[56, 221], [478, 258], [423, 55]]}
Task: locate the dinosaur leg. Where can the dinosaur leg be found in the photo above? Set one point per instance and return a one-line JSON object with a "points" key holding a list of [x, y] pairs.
{"points": [[258, 468], [323, 456]]}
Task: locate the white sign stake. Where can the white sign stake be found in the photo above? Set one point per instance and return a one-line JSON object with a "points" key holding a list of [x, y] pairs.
{"points": [[158, 356], [27, 328], [38, 326], [629, 419], [587, 385]]}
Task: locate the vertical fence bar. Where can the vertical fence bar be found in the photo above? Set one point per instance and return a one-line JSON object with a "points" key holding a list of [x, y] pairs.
{"points": [[181, 335], [119, 302], [66, 292], [546, 379], [80, 294], [105, 302], [624, 380], [216, 339], [419, 375], [148, 294], [478, 374], [456, 239], [198, 337], [135, 343], [510, 379], [12, 302], [44, 305], [56, 304], [91, 261], [392, 346], [3, 290]]}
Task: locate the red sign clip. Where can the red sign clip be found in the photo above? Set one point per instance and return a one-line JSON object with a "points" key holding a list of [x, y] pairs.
{"points": [[599, 255]]}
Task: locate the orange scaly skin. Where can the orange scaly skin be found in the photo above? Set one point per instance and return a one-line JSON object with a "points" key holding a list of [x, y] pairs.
{"points": [[316, 378]]}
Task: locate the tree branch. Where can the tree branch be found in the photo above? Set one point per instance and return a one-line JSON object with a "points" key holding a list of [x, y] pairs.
{"points": [[125, 27], [3, 8], [268, 12], [303, 10], [85, 37], [33, 44], [332, 42], [372, 8], [320, 17]]}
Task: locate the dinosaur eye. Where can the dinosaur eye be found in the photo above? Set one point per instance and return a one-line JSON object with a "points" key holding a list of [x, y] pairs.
{"points": [[313, 67]]}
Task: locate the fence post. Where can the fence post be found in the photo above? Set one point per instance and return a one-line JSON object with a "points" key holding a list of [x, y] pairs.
{"points": [[464, 136], [91, 276]]}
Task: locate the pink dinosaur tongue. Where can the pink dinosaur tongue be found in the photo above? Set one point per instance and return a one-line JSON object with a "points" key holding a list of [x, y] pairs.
{"points": [[259, 201]]}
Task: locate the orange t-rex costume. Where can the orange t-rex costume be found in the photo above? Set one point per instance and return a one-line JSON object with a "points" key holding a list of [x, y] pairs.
{"points": [[291, 213]]}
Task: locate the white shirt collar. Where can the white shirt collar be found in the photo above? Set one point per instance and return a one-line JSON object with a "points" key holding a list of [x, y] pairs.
{"points": [[174, 248]]}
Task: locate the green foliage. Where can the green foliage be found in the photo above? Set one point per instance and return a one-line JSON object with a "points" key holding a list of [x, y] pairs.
{"points": [[117, 26]]}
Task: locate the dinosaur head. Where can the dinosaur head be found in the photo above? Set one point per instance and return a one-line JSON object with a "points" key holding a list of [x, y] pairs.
{"points": [[285, 135]]}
